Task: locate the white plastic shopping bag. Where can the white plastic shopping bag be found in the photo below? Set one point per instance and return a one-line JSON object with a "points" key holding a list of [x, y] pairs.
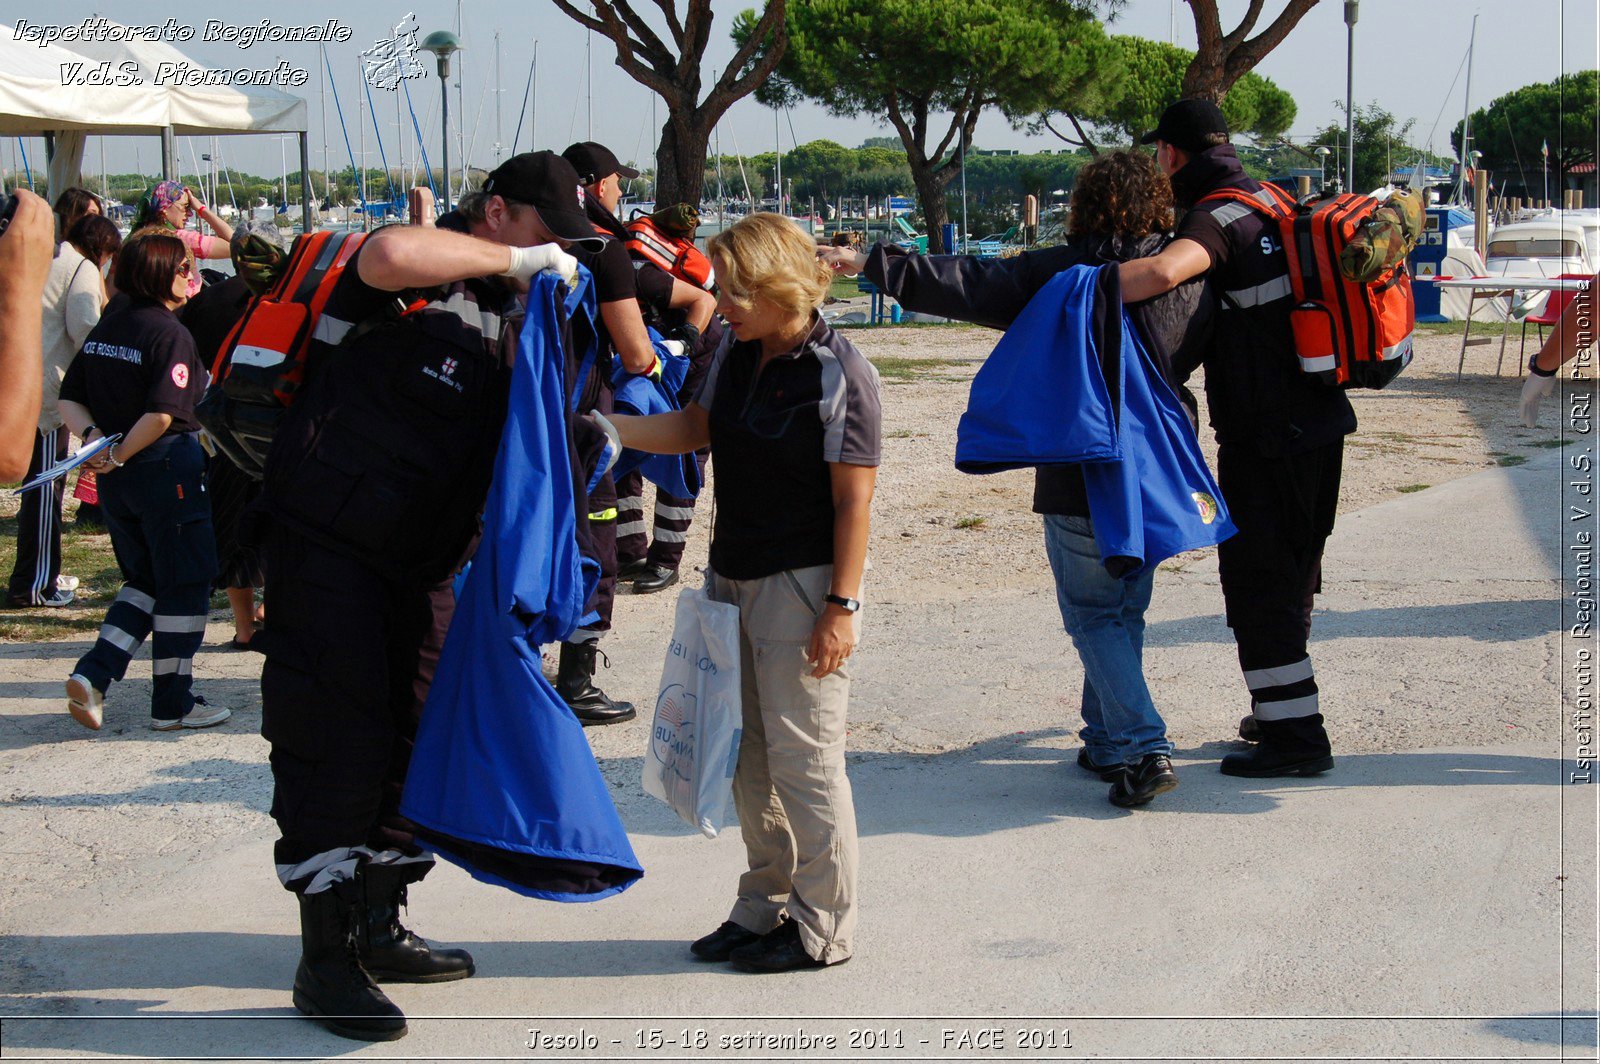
{"points": [[694, 739]]}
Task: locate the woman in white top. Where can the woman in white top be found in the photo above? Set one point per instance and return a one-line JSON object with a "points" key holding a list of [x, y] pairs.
{"points": [[74, 296]]}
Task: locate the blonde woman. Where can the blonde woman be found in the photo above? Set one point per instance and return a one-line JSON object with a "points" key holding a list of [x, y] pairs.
{"points": [[791, 412]]}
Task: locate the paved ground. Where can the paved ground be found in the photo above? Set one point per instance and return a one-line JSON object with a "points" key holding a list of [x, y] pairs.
{"points": [[1433, 897]]}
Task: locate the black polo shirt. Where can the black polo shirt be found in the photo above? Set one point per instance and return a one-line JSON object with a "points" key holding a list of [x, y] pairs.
{"points": [[139, 359], [774, 430]]}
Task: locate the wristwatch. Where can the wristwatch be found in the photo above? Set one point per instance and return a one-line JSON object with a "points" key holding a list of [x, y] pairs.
{"points": [[849, 605]]}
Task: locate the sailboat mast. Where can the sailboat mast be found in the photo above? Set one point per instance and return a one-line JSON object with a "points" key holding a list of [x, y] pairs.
{"points": [[327, 187], [497, 91], [361, 160], [1466, 119], [461, 109]]}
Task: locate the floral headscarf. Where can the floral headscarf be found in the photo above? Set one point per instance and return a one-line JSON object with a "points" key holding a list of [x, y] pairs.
{"points": [[157, 200]]}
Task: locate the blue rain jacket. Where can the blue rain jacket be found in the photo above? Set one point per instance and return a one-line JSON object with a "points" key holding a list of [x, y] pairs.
{"points": [[502, 779], [675, 474], [1043, 398]]}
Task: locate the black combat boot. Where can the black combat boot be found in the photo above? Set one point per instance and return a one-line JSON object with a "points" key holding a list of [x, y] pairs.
{"points": [[330, 985], [575, 685], [1295, 747], [389, 952]]}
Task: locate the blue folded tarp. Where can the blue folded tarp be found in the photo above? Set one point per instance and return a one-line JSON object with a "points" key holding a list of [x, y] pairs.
{"points": [[502, 780], [677, 475], [1043, 398]]}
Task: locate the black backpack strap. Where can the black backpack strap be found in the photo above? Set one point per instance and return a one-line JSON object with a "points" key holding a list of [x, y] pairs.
{"points": [[390, 311]]}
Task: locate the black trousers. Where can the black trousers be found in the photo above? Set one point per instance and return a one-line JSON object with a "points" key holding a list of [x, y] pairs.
{"points": [[603, 531], [33, 577], [159, 517], [663, 544], [1271, 573], [350, 655]]}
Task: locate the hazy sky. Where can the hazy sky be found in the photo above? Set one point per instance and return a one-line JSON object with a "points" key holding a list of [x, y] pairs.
{"points": [[1408, 53]]}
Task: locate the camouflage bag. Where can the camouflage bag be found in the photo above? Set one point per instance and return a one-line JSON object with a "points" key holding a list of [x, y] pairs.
{"points": [[1384, 239], [679, 220]]}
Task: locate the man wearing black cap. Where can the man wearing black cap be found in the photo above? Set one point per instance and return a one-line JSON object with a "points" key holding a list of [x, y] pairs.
{"points": [[623, 336], [676, 309], [370, 501], [1280, 436]]}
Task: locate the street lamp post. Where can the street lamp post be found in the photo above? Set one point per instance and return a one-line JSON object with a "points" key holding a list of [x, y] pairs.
{"points": [[444, 44], [1322, 167], [1351, 8]]}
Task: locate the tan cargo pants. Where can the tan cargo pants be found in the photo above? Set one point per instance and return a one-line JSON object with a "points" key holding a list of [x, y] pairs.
{"points": [[790, 790]]}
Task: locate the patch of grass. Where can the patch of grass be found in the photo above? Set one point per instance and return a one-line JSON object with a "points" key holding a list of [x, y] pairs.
{"points": [[1407, 489], [1455, 328], [844, 288], [1510, 460], [972, 522], [1545, 443], [88, 556], [904, 434], [911, 368]]}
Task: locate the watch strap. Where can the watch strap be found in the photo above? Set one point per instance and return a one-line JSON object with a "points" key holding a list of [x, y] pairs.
{"points": [[849, 604]]}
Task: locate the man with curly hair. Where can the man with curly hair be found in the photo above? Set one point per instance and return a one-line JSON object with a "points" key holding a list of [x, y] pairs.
{"points": [[1121, 209]]}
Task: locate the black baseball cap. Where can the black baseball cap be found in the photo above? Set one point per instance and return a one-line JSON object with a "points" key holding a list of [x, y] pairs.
{"points": [[545, 181], [595, 162], [1187, 124]]}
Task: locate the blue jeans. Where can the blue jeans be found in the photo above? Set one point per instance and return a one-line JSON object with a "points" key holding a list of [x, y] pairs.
{"points": [[1105, 618]]}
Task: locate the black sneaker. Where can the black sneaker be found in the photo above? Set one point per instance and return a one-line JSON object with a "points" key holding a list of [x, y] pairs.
{"points": [[779, 950], [723, 941], [1107, 773], [1250, 728], [1153, 775], [627, 571]]}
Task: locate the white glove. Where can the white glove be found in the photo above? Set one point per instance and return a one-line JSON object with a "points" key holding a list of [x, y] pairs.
{"points": [[615, 450], [525, 262], [1534, 389], [673, 347]]}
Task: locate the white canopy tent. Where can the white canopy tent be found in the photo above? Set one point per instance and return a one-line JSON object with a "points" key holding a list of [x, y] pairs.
{"points": [[34, 102]]}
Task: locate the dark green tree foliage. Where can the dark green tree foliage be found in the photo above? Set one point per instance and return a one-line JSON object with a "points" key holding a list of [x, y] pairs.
{"points": [[932, 67], [1379, 139], [824, 164], [1150, 77], [1512, 128]]}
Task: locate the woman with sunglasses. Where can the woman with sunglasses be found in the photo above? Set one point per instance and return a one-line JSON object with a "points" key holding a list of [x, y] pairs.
{"points": [[170, 205], [138, 376]]}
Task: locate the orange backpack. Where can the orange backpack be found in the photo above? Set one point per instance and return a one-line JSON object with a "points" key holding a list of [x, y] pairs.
{"points": [[261, 365], [1348, 333], [677, 255]]}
